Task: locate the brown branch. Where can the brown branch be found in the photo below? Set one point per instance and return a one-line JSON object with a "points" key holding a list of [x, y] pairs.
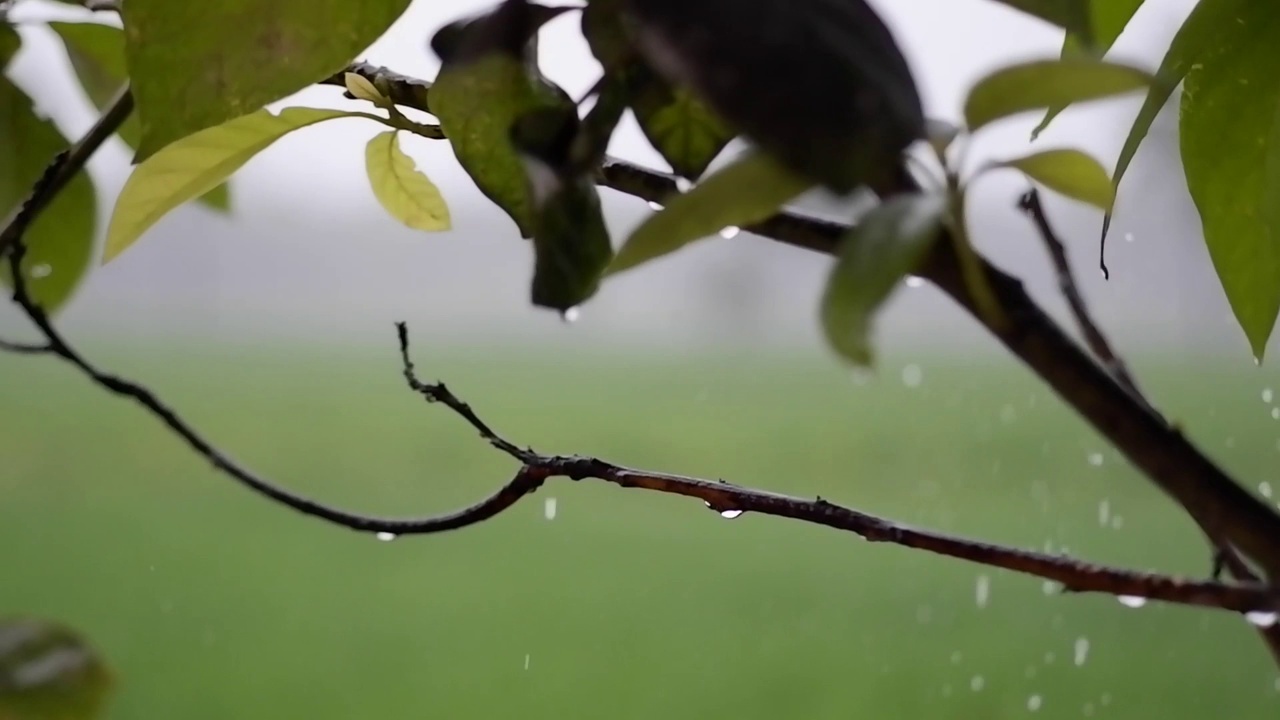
{"points": [[1030, 204]]}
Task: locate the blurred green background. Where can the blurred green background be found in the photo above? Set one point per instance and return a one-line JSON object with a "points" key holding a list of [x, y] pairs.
{"points": [[213, 603]]}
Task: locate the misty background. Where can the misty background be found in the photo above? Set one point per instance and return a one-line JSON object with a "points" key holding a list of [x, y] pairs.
{"points": [[307, 253]]}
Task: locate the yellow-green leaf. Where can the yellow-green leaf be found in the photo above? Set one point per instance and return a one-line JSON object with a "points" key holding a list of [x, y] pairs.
{"points": [[60, 242], [1044, 83], [407, 194], [886, 245], [196, 164], [49, 672], [746, 191], [362, 89], [195, 65], [1069, 172]]}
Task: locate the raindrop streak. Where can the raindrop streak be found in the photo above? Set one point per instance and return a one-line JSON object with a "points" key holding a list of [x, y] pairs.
{"points": [[1008, 414], [914, 282], [1034, 702], [982, 591], [1275, 413], [1088, 710], [1104, 512], [1050, 587], [1264, 487], [571, 315], [730, 232], [549, 508], [1128, 237], [976, 683], [1117, 522], [956, 657], [1262, 618], [655, 206], [1132, 601], [385, 536], [912, 375], [526, 661], [1082, 651], [1268, 395], [1095, 459]]}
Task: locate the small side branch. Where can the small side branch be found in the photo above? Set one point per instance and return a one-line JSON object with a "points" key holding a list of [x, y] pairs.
{"points": [[1030, 204]]}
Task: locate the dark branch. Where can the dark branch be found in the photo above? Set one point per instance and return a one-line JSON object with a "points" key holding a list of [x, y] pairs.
{"points": [[24, 348], [1030, 204]]}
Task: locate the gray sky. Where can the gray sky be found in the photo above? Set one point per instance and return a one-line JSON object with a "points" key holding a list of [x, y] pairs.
{"points": [[308, 252]]}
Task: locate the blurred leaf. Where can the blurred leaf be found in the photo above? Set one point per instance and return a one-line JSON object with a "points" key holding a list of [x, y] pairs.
{"points": [[1069, 172], [1194, 39], [822, 87], [1230, 133], [477, 103], [60, 242], [940, 135], [196, 163], [1110, 17], [96, 53], [886, 245], [1074, 16], [10, 43], [48, 672], [196, 65], [746, 191], [680, 127], [404, 191], [1044, 83]]}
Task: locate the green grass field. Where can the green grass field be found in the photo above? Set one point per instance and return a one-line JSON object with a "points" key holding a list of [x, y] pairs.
{"points": [[213, 603]]}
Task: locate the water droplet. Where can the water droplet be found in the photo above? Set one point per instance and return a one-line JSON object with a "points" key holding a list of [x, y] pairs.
{"points": [[571, 315], [1264, 487], [1275, 413], [1049, 587], [1268, 395], [982, 590], [730, 232], [1081, 651], [976, 683], [549, 508], [912, 375], [731, 514], [956, 657], [1095, 459], [1105, 699], [1132, 601], [914, 282], [1049, 658], [386, 536], [946, 691], [1034, 702], [41, 271], [655, 206], [1262, 618], [1128, 237], [1104, 512], [683, 184], [1117, 522], [1088, 710], [526, 661]]}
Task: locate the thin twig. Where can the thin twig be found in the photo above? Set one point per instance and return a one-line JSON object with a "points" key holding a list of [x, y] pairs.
{"points": [[24, 348], [1030, 204]]}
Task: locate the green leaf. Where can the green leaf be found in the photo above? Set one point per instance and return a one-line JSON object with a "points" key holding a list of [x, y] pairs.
{"points": [[197, 163], [744, 192], [886, 245], [1069, 172], [96, 53], [10, 43], [362, 89], [60, 242], [196, 65], [477, 102], [402, 189], [1230, 137], [1193, 40], [571, 247], [1110, 17], [49, 672], [1072, 15], [1044, 83]]}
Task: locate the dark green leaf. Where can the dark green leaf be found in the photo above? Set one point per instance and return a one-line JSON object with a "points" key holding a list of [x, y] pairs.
{"points": [[886, 245], [746, 191], [1074, 16], [1040, 84], [1069, 172], [48, 672], [820, 85], [1109, 20], [196, 65], [571, 247], [60, 242], [483, 87], [196, 163], [1230, 136], [96, 53], [1193, 40]]}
